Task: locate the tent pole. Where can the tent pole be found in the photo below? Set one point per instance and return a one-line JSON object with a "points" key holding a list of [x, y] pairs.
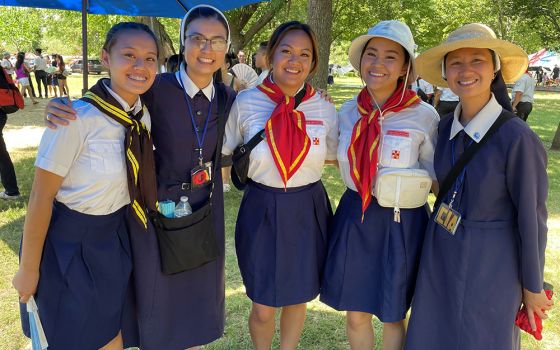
{"points": [[84, 47]]}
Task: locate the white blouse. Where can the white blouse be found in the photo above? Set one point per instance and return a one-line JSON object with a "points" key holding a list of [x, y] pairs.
{"points": [[89, 154], [407, 141], [249, 114]]}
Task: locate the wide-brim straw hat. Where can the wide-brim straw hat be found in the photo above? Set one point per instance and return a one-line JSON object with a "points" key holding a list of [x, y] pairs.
{"points": [[513, 59], [392, 30]]}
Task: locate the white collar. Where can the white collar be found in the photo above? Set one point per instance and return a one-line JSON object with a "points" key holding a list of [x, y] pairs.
{"points": [[480, 124], [301, 88], [190, 87], [137, 107]]}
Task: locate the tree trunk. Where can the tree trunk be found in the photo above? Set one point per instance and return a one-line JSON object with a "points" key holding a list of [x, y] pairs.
{"points": [[556, 141], [319, 17], [165, 44]]}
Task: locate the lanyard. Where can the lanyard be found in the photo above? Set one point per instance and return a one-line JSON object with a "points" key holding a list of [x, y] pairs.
{"points": [[199, 139], [459, 181]]}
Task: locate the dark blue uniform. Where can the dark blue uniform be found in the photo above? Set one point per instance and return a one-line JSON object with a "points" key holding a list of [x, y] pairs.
{"points": [[186, 309], [469, 286]]}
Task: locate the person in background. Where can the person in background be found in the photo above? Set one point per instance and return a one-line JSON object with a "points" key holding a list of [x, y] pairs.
{"points": [[241, 57], [237, 85], [172, 63], [424, 90], [40, 73], [522, 96], [54, 79], [227, 77], [49, 76], [61, 77], [22, 75], [7, 64], [261, 62], [445, 101], [7, 171]]}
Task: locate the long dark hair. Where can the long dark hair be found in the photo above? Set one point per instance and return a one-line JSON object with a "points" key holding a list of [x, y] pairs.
{"points": [[20, 59], [61, 65]]}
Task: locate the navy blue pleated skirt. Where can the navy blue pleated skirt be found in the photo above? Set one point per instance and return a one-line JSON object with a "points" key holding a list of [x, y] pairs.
{"points": [[371, 266], [281, 242], [84, 274]]}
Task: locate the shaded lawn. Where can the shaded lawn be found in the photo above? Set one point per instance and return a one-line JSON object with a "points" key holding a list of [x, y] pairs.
{"points": [[324, 328]]}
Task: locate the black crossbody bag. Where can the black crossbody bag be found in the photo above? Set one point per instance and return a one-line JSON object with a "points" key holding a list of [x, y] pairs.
{"points": [[240, 156], [190, 241], [240, 160], [467, 155]]}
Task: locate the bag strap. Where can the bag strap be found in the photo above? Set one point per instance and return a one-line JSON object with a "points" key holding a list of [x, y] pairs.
{"points": [[222, 101], [248, 147], [466, 157]]}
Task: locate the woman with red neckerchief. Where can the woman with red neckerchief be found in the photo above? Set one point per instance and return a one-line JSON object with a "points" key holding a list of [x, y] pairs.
{"points": [[281, 232], [374, 248]]}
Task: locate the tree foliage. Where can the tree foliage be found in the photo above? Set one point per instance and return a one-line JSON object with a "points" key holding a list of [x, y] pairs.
{"points": [[532, 24]]}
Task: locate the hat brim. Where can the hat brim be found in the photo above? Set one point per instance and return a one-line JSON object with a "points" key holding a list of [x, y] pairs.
{"points": [[513, 59], [357, 45]]}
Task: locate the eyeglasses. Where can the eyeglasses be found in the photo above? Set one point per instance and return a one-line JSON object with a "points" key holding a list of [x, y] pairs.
{"points": [[217, 44]]}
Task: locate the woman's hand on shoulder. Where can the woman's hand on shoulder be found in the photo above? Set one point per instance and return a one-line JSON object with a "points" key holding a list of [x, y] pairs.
{"points": [[536, 303], [58, 112], [25, 282], [325, 95]]}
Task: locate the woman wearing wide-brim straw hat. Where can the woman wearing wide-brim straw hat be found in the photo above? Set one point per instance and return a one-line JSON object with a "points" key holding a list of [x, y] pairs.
{"points": [[472, 280]]}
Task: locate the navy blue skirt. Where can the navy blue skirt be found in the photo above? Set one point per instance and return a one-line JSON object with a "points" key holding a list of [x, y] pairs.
{"points": [[281, 242], [371, 266], [84, 274]]}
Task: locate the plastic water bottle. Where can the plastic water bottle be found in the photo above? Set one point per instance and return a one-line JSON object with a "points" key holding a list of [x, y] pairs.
{"points": [[183, 208]]}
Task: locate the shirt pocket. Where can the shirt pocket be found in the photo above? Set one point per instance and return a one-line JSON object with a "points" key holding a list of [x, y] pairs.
{"points": [[396, 151], [106, 156], [317, 133]]}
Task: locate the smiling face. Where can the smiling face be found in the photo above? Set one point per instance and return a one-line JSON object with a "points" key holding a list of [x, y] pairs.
{"points": [[470, 72], [292, 60], [203, 62], [241, 57], [132, 63], [383, 63]]}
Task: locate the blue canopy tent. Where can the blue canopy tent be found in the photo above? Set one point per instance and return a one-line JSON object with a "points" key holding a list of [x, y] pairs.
{"points": [[151, 8]]}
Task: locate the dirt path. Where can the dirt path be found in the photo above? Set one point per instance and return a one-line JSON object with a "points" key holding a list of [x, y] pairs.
{"points": [[27, 136]]}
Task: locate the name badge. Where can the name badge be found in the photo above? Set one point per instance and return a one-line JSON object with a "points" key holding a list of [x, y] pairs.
{"points": [[448, 218], [201, 175]]}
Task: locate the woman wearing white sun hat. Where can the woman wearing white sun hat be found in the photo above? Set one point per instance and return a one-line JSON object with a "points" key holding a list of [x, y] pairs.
{"points": [[374, 250], [475, 273]]}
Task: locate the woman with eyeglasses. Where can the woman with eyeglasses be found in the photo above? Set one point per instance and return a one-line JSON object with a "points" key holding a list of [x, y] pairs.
{"points": [[186, 309]]}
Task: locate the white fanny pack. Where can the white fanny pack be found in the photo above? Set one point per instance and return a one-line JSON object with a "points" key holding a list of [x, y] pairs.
{"points": [[402, 188]]}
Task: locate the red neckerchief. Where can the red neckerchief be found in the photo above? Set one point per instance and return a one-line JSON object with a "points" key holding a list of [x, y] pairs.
{"points": [[285, 130], [363, 151]]}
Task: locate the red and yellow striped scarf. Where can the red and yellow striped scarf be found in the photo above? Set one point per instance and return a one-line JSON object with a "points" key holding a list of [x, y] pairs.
{"points": [[363, 152], [285, 130]]}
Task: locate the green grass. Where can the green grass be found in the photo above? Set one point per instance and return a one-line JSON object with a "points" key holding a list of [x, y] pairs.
{"points": [[324, 328]]}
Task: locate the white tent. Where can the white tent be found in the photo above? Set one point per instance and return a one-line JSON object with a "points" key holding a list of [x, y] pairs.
{"points": [[544, 58]]}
